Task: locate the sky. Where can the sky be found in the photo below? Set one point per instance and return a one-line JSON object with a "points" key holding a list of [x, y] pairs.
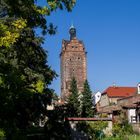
{"points": [[110, 30]]}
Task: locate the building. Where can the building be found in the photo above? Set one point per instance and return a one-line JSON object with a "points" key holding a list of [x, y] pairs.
{"points": [[73, 63], [96, 98], [115, 100], [112, 94]]}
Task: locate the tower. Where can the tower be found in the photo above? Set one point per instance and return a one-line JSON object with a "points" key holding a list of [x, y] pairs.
{"points": [[73, 63]]}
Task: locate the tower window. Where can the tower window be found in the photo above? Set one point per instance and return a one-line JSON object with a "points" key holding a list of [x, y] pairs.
{"points": [[74, 46]]}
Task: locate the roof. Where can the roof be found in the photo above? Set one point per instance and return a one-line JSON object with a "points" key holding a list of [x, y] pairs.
{"points": [[109, 108], [120, 91], [65, 42]]}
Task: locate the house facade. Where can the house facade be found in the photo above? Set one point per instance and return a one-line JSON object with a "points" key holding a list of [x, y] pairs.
{"points": [[112, 94], [115, 100]]}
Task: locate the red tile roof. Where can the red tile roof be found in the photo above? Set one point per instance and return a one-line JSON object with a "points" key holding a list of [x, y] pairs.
{"points": [[120, 91]]}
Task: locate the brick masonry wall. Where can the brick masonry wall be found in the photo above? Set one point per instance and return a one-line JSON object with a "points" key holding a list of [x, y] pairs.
{"points": [[73, 64]]}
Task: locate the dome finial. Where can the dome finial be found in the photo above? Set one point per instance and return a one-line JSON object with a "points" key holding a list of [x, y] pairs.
{"points": [[72, 31]]}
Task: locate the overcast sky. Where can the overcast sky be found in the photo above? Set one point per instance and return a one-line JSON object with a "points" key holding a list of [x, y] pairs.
{"points": [[110, 30]]}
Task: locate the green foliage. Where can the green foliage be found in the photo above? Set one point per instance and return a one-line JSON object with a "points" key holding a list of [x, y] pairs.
{"points": [[10, 32], [113, 138], [94, 130], [2, 135], [25, 75], [56, 127], [128, 137], [55, 130], [122, 129], [134, 137], [34, 14], [99, 125], [73, 101], [87, 105]]}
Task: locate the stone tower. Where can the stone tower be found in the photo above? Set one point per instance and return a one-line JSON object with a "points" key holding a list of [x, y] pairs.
{"points": [[73, 63]]}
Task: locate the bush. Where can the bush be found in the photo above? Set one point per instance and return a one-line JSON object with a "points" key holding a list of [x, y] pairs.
{"points": [[113, 138], [94, 130], [2, 135], [122, 129]]}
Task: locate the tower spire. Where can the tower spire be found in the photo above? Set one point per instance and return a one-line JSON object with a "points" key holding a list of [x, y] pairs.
{"points": [[72, 25]]}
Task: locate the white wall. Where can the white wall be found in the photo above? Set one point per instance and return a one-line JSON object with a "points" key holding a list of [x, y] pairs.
{"points": [[131, 112], [97, 97]]}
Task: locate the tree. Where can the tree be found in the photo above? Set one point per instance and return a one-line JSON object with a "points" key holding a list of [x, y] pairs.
{"points": [[14, 16], [73, 101], [9, 34], [87, 110], [25, 75]]}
